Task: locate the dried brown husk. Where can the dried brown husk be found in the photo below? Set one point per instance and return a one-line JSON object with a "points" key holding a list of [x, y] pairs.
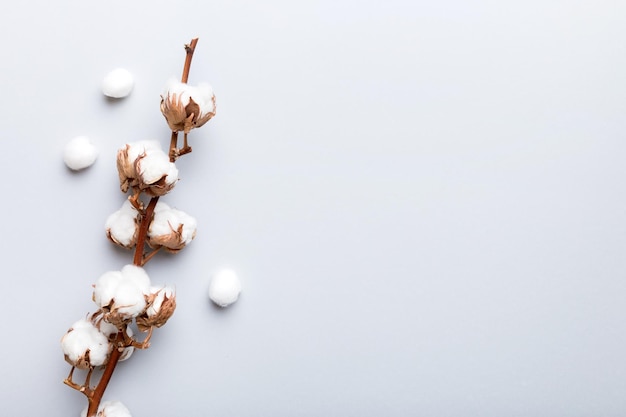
{"points": [[145, 322], [172, 242]]}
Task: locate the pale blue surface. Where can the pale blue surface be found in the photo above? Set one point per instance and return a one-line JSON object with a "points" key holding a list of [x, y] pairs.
{"points": [[425, 202]]}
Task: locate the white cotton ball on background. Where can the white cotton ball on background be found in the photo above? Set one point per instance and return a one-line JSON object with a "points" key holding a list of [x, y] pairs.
{"points": [[79, 153], [118, 83], [224, 288]]}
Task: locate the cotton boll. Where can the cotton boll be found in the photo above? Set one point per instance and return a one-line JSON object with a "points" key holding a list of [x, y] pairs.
{"points": [[161, 306], [151, 171], [121, 294], [118, 83], [224, 288], [186, 107], [85, 346], [79, 153], [122, 226], [171, 228], [156, 165], [131, 155], [161, 294]]}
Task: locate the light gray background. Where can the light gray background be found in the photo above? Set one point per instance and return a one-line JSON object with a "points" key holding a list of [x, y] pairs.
{"points": [[425, 201]]}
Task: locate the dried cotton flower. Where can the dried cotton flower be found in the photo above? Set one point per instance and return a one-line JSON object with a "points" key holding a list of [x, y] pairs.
{"points": [[144, 166], [122, 226], [171, 228], [85, 346], [120, 294], [161, 306], [186, 107]]}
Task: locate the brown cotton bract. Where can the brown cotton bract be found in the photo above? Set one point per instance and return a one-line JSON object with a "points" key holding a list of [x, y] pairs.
{"points": [[145, 322]]}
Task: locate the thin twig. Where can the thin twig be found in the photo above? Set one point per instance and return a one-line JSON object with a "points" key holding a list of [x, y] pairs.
{"points": [[189, 49], [149, 256], [173, 147]]}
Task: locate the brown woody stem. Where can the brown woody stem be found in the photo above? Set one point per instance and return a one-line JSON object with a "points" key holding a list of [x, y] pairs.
{"points": [[189, 49], [143, 231], [98, 392]]}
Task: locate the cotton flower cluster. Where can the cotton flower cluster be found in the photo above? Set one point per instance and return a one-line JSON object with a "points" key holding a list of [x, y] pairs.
{"points": [[186, 107], [170, 228], [110, 409], [126, 299], [144, 167], [128, 294], [121, 297]]}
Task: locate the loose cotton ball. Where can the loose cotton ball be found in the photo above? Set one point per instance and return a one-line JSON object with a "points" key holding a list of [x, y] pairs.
{"points": [[225, 288], [118, 83], [79, 153]]}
